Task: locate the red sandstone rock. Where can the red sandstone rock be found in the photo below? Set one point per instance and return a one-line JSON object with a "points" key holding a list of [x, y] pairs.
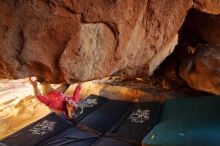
{"points": [[202, 70], [208, 6], [67, 41]]}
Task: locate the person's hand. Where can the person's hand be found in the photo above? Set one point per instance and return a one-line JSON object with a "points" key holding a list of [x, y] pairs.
{"points": [[33, 82], [79, 84]]}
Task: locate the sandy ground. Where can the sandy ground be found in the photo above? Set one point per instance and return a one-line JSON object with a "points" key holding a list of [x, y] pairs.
{"points": [[18, 107]]}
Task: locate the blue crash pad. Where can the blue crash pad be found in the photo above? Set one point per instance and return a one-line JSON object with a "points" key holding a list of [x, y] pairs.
{"points": [[136, 125], [38, 131], [187, 122], [73, 136], [93, 126], [106, 116], [29, 134], [114, 123]]}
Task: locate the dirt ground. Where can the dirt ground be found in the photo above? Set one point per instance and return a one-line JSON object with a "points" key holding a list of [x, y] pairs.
{"points": [[18, 107]]}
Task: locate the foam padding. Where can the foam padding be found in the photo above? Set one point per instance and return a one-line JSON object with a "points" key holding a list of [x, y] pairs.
{"points": [[187, 122], [38, 131], [106, 116], [139, 122], [73, 136], [90, 104]]}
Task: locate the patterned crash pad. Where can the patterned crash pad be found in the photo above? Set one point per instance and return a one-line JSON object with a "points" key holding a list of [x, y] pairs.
{"points": [[114, 123], [89, 105], [106, 116], [187, 122], [103, 122], [72, 137], [93, 126], [38, 131], [51, 125], [137, 123]]}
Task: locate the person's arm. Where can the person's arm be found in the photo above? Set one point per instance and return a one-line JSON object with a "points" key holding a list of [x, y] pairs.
{"points": [[34, 85], [44, 99], [76, 93]]}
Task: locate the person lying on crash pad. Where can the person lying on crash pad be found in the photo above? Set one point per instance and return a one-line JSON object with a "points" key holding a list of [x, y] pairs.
{"points": [[57, 101]]}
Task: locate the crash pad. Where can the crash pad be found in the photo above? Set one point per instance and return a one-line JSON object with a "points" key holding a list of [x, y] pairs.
{"points": [[106, 116], [138, 122], [187, 122], [51, 125], [89, 105], [114, 123], [38, 131], [108, 141], [93, 126], [106, 122], [73, 136]]}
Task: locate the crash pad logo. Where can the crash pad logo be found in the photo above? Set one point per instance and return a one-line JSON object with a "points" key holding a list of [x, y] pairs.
{"points": [[43, 127], [89, 102], [140, 116]]}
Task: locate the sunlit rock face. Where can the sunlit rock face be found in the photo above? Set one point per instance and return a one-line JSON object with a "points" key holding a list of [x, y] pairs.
{"points": [[67, 41], [202, 70], [208, 6]]}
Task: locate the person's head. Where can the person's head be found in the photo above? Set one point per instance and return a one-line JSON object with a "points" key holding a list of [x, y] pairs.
{"points": [[70, 109], [73, 110]]}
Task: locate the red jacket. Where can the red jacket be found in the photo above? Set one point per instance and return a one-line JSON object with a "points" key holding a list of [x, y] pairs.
{"points": [[56, 100]]}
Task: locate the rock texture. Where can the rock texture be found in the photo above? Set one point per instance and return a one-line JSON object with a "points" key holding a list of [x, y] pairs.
{"points": [[208, 6], [202, 70], [68, 41]]}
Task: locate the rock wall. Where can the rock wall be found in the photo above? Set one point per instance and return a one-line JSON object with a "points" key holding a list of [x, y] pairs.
{"points": [[208, 6], [68, 41], [202, 70]]}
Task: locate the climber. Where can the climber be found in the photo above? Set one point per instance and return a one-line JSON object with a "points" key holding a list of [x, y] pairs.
{"points": [[57, 101]]}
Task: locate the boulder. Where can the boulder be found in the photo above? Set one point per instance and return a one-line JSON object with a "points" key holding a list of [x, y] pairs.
{"points": [[70, 40], [202, 70], [208, 6]]}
